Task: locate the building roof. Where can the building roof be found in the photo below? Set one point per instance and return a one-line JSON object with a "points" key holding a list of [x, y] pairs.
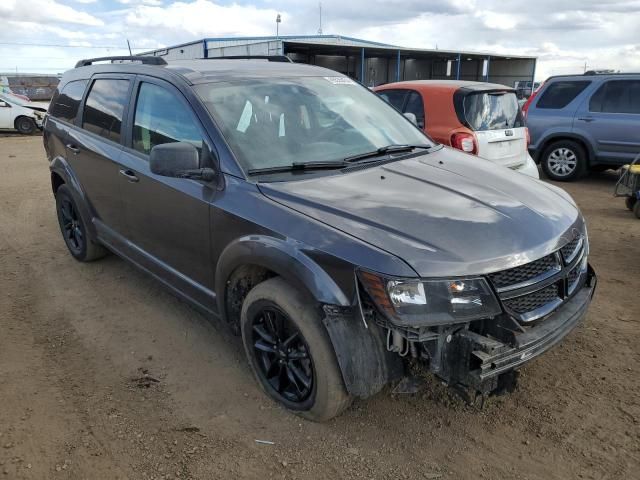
{"points": [[336, 41]]}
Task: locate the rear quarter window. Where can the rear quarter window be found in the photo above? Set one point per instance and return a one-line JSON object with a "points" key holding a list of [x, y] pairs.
{"points": [[560, 94], [66, 102]]}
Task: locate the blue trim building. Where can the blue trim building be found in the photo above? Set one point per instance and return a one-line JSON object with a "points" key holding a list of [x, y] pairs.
{"points": [[371, 63]]}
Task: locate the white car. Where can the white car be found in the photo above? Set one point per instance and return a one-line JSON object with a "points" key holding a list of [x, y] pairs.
{"points": [[20, 115]]}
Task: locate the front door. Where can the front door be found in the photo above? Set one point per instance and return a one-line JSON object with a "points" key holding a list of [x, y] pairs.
{"points": [[167, 218], [611, 119]]}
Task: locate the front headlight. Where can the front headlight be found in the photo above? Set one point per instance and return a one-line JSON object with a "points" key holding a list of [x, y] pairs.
{"points": [[431, 302]]}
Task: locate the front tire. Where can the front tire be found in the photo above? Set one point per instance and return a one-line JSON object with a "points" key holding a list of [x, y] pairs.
{"points": [[290, 352], [564, 161], [74, 228], [25, 125]]}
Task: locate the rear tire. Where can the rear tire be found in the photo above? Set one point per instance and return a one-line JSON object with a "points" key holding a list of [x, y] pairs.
{"points": [[302, 375], [564, 161], [74, 228], [25, 125]]}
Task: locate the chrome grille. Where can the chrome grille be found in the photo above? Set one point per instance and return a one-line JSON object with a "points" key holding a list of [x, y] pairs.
{"points": [[525, 273], [534, 300]]}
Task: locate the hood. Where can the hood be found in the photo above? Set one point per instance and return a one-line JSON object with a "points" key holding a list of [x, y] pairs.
{"points": [[444, 213]]}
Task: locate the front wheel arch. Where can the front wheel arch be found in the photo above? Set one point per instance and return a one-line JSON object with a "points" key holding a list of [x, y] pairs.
{"points": [[263, 257]]}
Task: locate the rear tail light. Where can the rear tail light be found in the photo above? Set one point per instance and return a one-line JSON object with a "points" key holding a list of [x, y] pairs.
{"points": [[527, 135], [526, 105], [465, 142]]}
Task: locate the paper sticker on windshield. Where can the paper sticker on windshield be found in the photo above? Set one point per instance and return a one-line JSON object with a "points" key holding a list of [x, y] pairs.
{"points": [[340, 80]]}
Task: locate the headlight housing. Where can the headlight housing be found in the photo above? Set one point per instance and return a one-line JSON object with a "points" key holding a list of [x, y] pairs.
{"points": [[411, 302]]}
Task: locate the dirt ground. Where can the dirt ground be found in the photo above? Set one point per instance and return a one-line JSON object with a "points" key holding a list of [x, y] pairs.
{"points": [[103, 374]]}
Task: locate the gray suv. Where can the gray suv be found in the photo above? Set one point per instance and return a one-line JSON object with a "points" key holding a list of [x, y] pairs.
{"points": [[583, 122], [317, 222]]}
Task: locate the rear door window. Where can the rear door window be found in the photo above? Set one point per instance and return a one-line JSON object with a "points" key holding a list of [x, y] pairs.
{"points": [[617, 96], [104, 108], [492, 111], [394, 97], [560, 94], [416, 106], [65, 105]]}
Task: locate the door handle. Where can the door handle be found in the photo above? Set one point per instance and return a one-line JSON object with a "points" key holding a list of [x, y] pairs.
{"points": [[129, 175], [586, 119], [75, 150]]}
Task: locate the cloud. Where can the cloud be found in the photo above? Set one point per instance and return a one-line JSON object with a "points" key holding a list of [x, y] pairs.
{"points": [[45, 11], [154, 3], [564, 34]]}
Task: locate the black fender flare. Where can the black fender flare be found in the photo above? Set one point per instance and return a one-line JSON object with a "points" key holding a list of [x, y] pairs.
{"points": [[59, 166], [286, 258], [364, 361]]}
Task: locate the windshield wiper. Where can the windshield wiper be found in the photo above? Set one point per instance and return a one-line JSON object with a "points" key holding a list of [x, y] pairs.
{"points": [[299, 166], [385, 150]]}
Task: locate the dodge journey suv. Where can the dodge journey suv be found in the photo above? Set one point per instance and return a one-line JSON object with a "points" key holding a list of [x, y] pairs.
{"points": [[317, 222]]}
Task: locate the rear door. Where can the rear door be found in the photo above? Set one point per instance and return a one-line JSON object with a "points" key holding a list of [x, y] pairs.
{"points": [[93, 151], [167, 218], [611, 119], [497, 121]]}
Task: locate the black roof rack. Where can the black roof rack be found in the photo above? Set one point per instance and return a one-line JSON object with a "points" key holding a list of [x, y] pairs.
{"points": [[269, 58], [605, 72], [143, 60]]}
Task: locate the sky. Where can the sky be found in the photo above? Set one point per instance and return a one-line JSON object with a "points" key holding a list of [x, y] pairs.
{"points": [[48, 36]]}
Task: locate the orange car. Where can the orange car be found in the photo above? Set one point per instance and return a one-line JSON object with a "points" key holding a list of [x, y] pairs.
{"points": [[482, 119]]}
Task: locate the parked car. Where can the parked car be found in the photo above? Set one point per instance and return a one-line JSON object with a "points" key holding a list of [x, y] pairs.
{"points": [[482, 119], [583, 122], [20, 115], [317, 222], [524, 88]]}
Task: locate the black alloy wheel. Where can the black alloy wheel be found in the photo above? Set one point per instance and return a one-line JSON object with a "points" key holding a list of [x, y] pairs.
{"points": [[71, 226], [282, 354]]}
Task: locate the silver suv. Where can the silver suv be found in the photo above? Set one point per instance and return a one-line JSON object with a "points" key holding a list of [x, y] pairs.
{"points": [[585, 122]]}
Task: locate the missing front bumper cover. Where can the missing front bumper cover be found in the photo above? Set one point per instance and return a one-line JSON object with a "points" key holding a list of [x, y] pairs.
{"points": [[479, 362]]}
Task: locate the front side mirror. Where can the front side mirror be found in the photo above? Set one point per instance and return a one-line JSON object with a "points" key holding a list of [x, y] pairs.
{"points": [[179, 160], [3, 104], [412, 118]]}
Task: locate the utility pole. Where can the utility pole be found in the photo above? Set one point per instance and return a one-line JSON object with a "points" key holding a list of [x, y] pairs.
{"points": [[320, 27], [129, 45], [278, 21]]}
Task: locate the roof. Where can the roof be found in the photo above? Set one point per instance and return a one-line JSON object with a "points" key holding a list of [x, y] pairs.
{"points": [[320, 39], [446, 85], [213, 69], [208, 70]]}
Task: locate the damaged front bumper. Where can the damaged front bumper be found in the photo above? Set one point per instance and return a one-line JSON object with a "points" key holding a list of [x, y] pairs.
{"points": [[475, 361]]}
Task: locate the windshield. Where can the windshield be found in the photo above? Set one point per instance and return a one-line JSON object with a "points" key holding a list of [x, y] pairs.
{"points": [[282, 121], [492, 111]]}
